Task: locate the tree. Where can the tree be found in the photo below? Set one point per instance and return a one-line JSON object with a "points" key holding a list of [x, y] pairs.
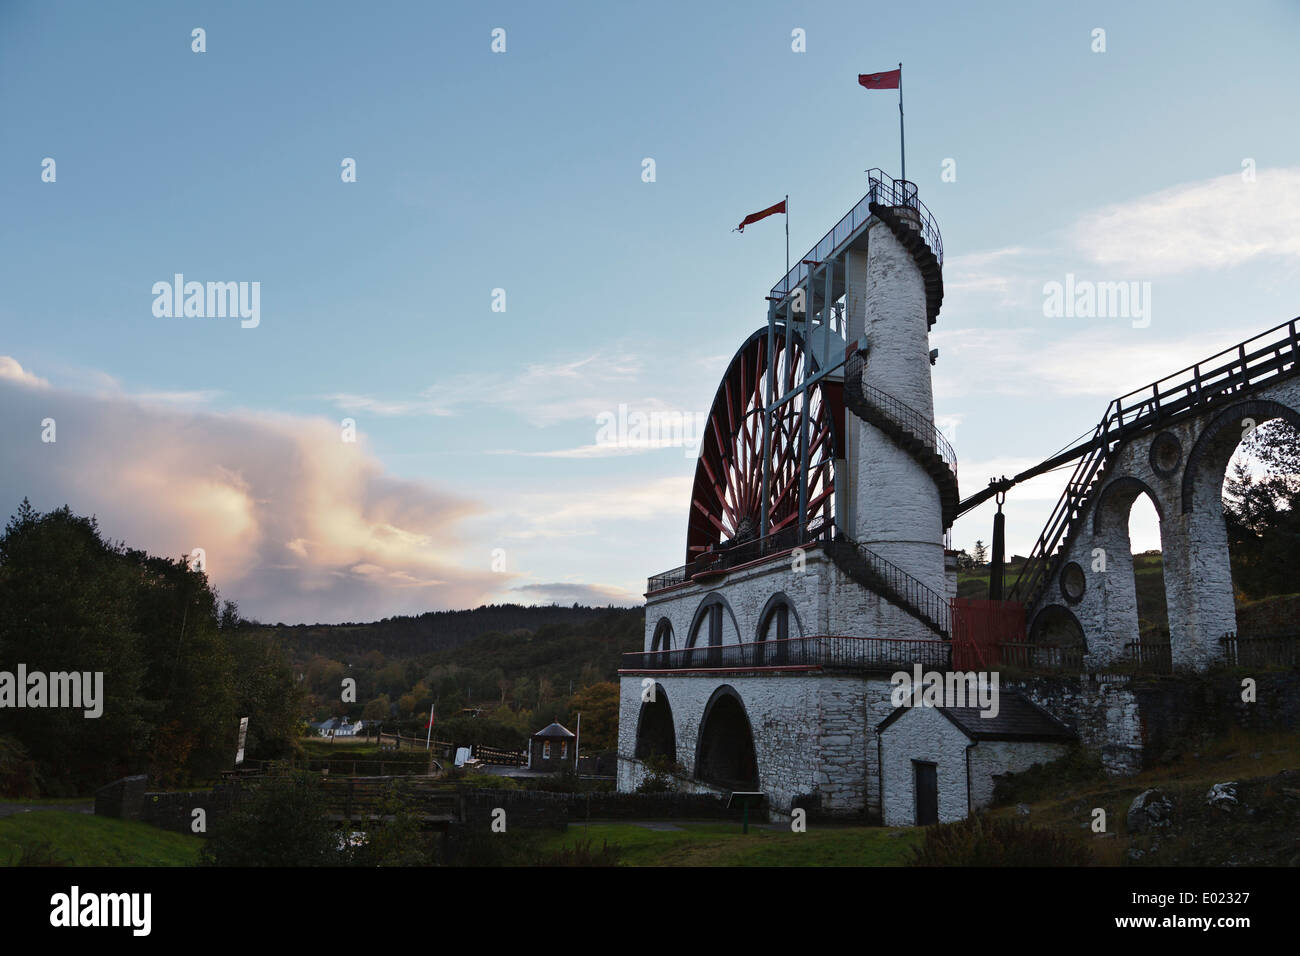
{"points": [[176, 672], [1261, 508], [598, 705], [981, 555]]}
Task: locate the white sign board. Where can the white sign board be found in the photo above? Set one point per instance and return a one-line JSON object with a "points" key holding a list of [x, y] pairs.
{"points": [[243, 735]]}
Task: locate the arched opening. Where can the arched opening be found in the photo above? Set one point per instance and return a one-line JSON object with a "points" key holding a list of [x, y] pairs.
{"points": [[655, 736], [1127, 568], [1239, 509], [777, 625], [663, 636], [1056, 639], [1147, 558], [1261, 508], [725, 754], [713, 622]]}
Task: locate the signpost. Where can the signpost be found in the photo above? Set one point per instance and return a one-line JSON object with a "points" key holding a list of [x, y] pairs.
{"points": [[745, 798]]}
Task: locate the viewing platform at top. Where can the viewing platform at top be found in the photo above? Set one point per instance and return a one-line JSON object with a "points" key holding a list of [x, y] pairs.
{"points": [[893, 201]]}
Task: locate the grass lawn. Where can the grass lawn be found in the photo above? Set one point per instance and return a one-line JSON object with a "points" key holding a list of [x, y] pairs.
{"points": [[80, 839], [723, 844]]}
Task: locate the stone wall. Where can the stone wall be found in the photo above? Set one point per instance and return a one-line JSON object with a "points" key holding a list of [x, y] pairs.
{"points": [[990, 759], [127, 799], [813, 732], [1102, 710], [824, 600]]}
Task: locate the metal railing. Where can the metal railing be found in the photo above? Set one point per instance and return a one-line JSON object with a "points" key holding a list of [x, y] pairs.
{"points": [[1040, 657], [849, 653], [1268, 650], [903, 416], [1257, 360], [907, 589], [817, 531], [884, 190]]}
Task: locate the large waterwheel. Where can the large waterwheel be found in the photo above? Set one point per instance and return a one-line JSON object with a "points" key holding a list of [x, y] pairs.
{"points": [[727, 502]]}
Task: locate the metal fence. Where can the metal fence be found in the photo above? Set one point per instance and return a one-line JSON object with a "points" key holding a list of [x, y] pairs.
{"points": [[1268, 650]]}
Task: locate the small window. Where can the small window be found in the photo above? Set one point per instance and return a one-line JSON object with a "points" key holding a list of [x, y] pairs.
{"points": [[564, 750], [546, 750]]}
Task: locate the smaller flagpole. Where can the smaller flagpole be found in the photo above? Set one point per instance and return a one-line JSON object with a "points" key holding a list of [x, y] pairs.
{"points": [[577, 739], [902, 149], [787, 236]]}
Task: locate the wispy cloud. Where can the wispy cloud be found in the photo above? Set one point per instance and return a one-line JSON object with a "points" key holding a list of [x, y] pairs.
{"points": [[1043, 360], [1211, 224]]}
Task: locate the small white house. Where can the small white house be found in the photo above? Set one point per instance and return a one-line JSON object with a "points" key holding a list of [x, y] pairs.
{"points": [[339, 727], [939, 764]]}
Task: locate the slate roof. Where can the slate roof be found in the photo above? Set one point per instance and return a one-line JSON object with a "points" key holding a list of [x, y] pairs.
{"points": [[554, 730], [1018, 718]]}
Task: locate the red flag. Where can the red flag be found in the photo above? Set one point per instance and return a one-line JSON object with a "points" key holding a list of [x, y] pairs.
{"points": [[756, 216], [429, 722], [880, 81]]}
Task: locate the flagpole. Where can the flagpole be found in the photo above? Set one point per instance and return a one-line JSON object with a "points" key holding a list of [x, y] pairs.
{"points": [[787, 235], [428, 739], [902, 149]]}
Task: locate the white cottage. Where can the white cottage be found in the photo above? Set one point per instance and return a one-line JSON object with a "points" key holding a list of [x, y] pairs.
{"points": [[939, 764]]}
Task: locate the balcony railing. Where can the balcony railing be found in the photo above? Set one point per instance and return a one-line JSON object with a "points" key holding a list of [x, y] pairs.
{"points": [[846, 653], [885, 191], [724, 558]]}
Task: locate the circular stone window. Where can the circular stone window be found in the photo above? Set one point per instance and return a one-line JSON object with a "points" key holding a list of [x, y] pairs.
{"points": [[1073, 582], [1166, 454]]}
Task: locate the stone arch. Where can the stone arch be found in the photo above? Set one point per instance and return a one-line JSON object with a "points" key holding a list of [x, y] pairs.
{"points": [[663, 636], [1220, 438], [656, 735], [775, 625], [724, 755], [1117, 498], [708, 622], [778, 605], [1116, 591], [1056, 624]]}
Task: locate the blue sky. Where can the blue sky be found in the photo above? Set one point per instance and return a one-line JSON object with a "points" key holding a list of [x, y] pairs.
{"points": [[522, 171]]}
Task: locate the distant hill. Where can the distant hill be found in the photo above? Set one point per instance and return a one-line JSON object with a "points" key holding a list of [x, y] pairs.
{"points": [[407, 637]]}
